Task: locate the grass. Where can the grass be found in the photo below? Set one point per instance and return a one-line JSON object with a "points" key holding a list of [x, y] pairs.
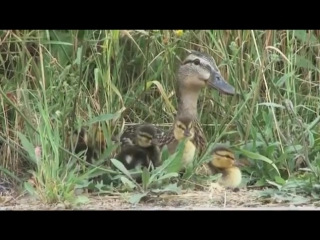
{"points": [[55, 80]]}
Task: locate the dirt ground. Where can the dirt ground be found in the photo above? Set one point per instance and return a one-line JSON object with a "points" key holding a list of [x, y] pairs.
{"points": [[214, 199]]}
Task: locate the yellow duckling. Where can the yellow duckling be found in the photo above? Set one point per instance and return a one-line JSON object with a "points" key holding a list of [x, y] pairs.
{"points": [[183, 128], [223, 161]]}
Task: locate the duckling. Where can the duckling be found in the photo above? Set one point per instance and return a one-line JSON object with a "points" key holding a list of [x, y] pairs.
{"points": [[146, 138], [143, 150], [183, 128], [223, 161], [93, 143]]}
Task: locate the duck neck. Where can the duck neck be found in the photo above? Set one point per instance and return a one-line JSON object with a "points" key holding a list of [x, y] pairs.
{"points": [[187, 101]]}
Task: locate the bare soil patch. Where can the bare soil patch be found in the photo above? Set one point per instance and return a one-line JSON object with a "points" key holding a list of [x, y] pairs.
{"points": [[213, 199]]}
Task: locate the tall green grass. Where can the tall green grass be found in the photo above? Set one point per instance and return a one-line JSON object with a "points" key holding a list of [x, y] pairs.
{"points": [[53, 80]]}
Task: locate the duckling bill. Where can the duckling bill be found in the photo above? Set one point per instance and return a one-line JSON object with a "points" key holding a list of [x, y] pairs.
{"points": [[223, 161]]}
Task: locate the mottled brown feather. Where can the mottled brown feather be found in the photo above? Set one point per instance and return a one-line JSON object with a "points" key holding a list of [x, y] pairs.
{"points": [[130, 133], [199, 139]]}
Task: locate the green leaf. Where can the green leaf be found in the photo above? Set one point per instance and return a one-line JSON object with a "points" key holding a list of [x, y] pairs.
{"points": [[82, 200], [145, 178], [164, 153], [304, 63], [79, 55], [274, 184], [6, 171], [189, 171], [99, 185], [271, 105], [313, 123], [121, 167], [260, 183], [168, 175], [62, 49], [29, 188], [270, 149], [173, 188], [136, 198], [257, 156], [103, 118], [174, 163], [96, 172], [28, 146], [127, 182], [279, 180], [214, 177], [170, 188], [284, 78], [106, 153], [306, 38], [311, 139], [293, 149], [83, 184]]}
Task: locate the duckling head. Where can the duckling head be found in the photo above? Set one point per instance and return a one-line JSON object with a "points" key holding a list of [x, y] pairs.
{"points": [[222, 157], [183, 127], [199, 70], [146, 135]]}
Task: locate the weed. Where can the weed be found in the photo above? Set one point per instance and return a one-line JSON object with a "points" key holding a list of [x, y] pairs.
{"points": [[55, 80]]}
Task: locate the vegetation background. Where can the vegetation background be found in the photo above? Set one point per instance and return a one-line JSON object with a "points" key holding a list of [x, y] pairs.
{"points": [[53, 80]]}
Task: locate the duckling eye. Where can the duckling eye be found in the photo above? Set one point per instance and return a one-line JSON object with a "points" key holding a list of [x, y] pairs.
{"points": [[196, 61], [181, 127]]}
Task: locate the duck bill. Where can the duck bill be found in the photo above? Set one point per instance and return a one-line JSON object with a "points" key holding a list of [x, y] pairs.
{"points": [[187, 134], [218, 82], [239, 164]]}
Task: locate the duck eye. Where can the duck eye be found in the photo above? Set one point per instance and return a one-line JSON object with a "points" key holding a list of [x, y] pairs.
{"points": [[196, 61]]}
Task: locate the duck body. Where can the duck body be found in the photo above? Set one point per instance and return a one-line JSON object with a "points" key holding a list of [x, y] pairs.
{"points": [[223, 161], [197, 71]]}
